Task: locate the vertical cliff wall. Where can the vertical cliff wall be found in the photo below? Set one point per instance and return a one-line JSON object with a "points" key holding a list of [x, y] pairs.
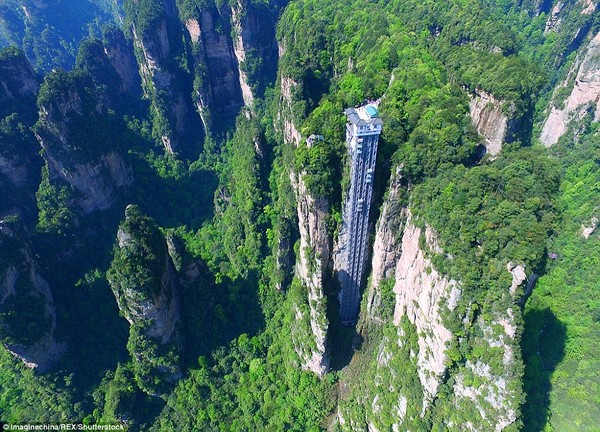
{"points": [[20, 163], [290, 131], [27, 312], [313, 260], [313, 250], [495, 120], [242, 42], [214, 56], [80, 141], [217, 90], [582, 90], [386, 247], [409, 363], [489, 120], [143, 279], [255, 45], [158, 41], [421, 293], [430, 356], [121, 55]]}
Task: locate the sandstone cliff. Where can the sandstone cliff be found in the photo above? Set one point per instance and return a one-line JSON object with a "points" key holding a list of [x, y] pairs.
{"points": [[244, 29], [560, 10], [80, 143], [19, 159], [489, 381], [158, 40], [310, 322], [144, 282], [122, 58], [217, 82], [415, 333], [255, 45], [160, 307], [492, 120], [311, 267], [582, 87], [27, 312], [290, 132], [386, 247], [409, 363], [18, 82], [421, 293]]}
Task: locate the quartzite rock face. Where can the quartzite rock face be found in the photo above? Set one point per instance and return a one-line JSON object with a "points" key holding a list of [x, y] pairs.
{"points": [[216, 67], [244, 29], [27, 312], [144, 282], [421, 341], [18, 82], [420, 292], [386, 247], [19, 152], [312, 263], [489, 120], [584, 95], [290, 131], [154, 300], [80, 148], [254, 27], [122, 58], [167, 85], [313, 260]]}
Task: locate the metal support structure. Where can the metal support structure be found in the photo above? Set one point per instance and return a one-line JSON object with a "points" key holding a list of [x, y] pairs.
{"points": [[362, 136]]}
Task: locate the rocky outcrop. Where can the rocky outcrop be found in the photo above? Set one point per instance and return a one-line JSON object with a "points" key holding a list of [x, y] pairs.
{"points": [[18, 82], [312, 263], [154, 300], [97, 182], [255, 45], [217, 86], [588, 229], [490, 120], [242, 41], [79, 142], [153, 49], [557, 14], [290, 132], [20, 162], [27, 312], [497, 369], [157, 43], [409, 363], [554, 20], [588, 7], [122, 58], [420, 293], [386, 246], [95, 59], [428, 299], [583, 97], [144, 282], [418, 353]]}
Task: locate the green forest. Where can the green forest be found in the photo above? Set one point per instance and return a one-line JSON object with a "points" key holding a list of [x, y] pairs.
{"points": [[170, 238]]}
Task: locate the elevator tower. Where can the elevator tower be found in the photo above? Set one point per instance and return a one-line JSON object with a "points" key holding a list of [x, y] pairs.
{"points": [[362, 136]]}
